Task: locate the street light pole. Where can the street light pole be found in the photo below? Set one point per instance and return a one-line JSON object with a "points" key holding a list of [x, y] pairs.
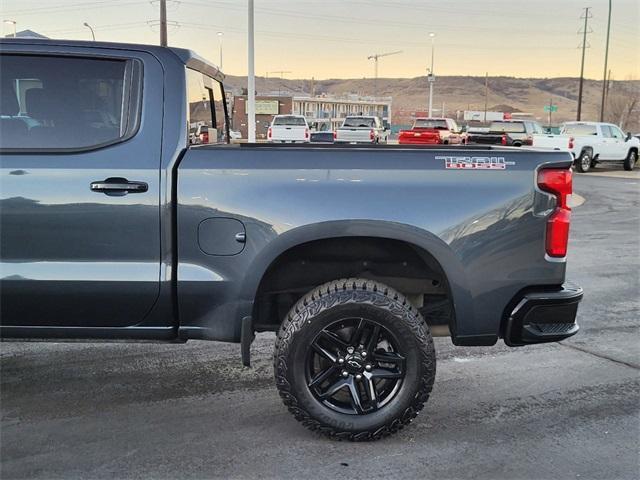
{"points": [[93, 35], [251, 77], [14, 23], [431, 77], [220, 34]]}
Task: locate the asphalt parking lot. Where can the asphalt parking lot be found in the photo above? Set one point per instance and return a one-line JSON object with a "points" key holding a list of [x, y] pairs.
{"points": [[567, 410]]}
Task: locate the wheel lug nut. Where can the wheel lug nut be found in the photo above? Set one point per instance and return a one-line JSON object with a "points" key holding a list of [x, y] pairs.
{"points": [[345, 373], [364, 354], [350, 350], [341, 360], [358, 377], [367, 368]]}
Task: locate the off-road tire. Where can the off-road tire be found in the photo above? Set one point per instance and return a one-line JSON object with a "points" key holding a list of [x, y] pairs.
{"points": [[631, 160], [584, 161], [324, 305]]}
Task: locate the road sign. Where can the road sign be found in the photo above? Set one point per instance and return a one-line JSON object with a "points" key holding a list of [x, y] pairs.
{"points": [[550, 108]]}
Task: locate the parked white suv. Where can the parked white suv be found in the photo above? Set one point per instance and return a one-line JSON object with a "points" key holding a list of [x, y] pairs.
{"points": [[288, 129], [592, 143]]}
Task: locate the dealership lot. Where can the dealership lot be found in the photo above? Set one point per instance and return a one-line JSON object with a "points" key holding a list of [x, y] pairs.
{"points": [[565, 410]]}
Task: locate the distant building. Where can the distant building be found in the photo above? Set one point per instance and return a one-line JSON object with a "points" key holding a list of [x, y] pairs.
{"points": [[266, 108], [322, 113], [333, 110], [26, 34]]}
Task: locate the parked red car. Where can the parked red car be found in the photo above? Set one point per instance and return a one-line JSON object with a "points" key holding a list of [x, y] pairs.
{"points": [[432, 131]]}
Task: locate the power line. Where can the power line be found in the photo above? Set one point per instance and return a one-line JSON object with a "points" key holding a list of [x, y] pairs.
{"points": [[585, 30], [71, 7]]}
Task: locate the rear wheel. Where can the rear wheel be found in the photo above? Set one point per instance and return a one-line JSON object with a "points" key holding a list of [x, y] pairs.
{"points": [[630, 161], [354, 359], [583, 163]]}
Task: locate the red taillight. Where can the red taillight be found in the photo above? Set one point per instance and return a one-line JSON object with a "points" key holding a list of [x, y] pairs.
{"points": [[529, 140], [306, 133], [372, 135], [204, 137], [559, 182], [503, 141], [570, 143], [335, 134], [269, 133]]}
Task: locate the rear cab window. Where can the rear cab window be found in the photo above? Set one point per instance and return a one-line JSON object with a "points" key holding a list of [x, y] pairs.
{"points": [[507, 127], [580, 129], [430, 123], [206, 112], [290, 120], [67, 103], [355, 122]]}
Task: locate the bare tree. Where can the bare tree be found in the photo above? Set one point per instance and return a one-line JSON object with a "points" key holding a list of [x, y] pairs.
{"points": [[623, 107]]}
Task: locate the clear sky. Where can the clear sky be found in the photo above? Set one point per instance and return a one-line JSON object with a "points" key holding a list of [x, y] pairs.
{"points": [[332, 38]]}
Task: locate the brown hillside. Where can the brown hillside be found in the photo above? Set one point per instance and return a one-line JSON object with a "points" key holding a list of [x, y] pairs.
{"points": [[464, 93]]}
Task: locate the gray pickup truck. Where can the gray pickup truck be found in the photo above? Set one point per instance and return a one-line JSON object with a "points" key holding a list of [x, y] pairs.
{"points": [[114, 227]]}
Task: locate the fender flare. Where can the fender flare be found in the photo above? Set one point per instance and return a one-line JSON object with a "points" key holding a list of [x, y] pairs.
{"points": [[425, 241]]}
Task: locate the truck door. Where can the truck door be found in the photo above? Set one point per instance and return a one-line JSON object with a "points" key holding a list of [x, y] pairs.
{"points": [[607, 145], [79, 177], [619, 146]]}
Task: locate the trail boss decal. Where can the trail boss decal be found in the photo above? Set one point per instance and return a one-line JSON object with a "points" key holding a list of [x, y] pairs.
{"points": [[479, 163]]}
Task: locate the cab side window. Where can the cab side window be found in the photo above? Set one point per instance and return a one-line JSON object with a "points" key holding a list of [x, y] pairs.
{"points": [[606, 131], [616, 132], [52, 102], [206, 115]]}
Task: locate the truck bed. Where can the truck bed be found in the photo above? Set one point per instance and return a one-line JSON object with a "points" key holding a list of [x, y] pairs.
{"points": [[475, 208]]}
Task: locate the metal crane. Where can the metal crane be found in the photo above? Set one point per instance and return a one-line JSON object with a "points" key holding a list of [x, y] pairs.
{"points": [[375, 58]]}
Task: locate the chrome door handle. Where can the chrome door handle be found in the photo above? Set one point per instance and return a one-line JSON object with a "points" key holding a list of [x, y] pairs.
{"points": [[116, 186]]}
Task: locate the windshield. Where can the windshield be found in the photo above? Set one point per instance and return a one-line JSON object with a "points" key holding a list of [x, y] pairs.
{"points": [[290, 120], [509, 127], [359, 122], [580, 129], [430, 123]]}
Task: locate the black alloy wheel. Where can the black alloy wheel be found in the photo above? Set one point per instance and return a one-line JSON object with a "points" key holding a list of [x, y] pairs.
{"points": [[354, 366], [354, 359]]}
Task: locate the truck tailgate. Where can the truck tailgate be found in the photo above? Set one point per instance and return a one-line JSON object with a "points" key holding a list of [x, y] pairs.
{"points": [[289, 133], [353, 134], [556, 142]]}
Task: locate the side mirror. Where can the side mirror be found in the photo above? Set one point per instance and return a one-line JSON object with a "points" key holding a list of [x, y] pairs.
{"points": [[629, 137]]}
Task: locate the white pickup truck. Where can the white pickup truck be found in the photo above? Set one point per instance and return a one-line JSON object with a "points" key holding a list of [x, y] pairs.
{"points": [[592, 143], [362, 129], [288, 129]]}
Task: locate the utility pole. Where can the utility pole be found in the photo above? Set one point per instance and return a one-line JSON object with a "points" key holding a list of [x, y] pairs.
{"points": [[587, 15], [281, 72], [486, 94], [606, 58], [163, 23], [375, 58], [251, 76], [550, 107]]}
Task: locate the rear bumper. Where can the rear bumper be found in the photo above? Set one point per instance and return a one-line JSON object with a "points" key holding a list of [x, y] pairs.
{"points": [[544, 316], [418, 141]]}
